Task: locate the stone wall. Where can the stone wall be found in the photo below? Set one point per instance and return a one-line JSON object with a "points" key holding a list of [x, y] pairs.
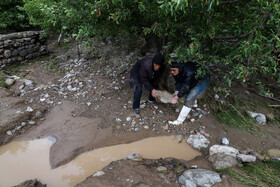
{"points": [[21, 46]]}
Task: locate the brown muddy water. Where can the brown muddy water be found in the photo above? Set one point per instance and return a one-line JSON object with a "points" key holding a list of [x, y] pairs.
{"points": [[23, 160]]}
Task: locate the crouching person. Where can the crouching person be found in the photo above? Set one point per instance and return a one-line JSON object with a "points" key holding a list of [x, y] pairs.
{"points": [[145, 72], [186, 82]]}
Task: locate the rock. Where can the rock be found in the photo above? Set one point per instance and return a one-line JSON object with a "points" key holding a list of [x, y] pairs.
{"points": [[198, 141], [23, 53], [42, 99], [194, 166], [39, 114], [9, 133], [223, 161], [225, 141], [88, 103], [18, 128], [23, 124], [128, 119], [7, 53], [258, 116], [246, 158], [29, 109], [165, 127], [216, 97], [98, 173], [28, 82], [135, 157], [161, 168], [143, 105], [10, 81], [164, 96], [146, 127], [223, 149], [118, 120], [189, 183], [32, 122], [192, 120], [21, 87], [274, 153], [199, 177]]}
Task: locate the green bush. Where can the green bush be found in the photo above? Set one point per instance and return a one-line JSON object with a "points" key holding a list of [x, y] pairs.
{"points": [[243, 37], [12, 17]]}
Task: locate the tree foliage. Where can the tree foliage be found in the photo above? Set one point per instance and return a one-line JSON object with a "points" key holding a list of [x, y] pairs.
{"points": [[12, 18], [242, 36]]}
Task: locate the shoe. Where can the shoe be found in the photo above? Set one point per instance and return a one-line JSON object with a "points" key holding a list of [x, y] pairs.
{"points": [[137, 113], [152, 102]]}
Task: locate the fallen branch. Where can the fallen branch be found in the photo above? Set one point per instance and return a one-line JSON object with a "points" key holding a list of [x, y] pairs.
{"points": [[274, 106], [229, 2], [270, 97]]}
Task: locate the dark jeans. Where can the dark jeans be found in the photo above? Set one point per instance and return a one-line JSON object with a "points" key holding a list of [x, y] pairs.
{"points": [[137, 96]]}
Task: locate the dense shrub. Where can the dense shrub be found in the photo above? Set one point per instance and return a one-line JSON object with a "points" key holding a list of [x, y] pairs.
{"points": [[12, 17], [241, 36]]}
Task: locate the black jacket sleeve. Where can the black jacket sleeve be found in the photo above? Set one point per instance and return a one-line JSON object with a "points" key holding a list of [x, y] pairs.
{"points": [[186, 84]]}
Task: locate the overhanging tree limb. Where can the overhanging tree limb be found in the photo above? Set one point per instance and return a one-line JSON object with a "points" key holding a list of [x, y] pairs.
{"points": [[246, 34], [229, 2]]}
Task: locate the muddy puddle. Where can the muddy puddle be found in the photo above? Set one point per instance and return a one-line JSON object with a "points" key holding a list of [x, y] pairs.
{"points": [[25, 160]]}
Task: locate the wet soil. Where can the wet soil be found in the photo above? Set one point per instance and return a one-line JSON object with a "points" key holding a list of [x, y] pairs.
{"points": [[104, 117]]}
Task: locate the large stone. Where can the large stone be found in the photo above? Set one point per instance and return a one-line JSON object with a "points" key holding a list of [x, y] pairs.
{"points": [[28, 82], [30, 33], [164, 96], [223, 149], [29, 56], [199, 177], [19, 40], [30, 50], [198, 141], [223, 161], [15, 52], [7, 53], [27, 39], [22, 53], [9, 81]]}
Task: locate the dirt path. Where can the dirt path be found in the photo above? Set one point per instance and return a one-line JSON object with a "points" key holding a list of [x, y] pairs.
{"points": [[85, 108]]}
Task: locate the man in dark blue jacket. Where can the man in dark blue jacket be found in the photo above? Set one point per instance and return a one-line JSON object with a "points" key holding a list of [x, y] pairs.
{"points": [[187, 83], [147, 72]]}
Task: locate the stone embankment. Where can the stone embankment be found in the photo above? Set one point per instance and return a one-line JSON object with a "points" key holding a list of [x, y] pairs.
{"points": [[16, 47]]}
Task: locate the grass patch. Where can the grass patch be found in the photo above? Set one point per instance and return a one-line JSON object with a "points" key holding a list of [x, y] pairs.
{"points": [[52, 64], [265, 174], [14, 69], [232, 113], [3, 77]]}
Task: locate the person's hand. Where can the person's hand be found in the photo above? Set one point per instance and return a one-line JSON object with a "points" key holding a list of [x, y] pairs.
{"points": [[154, 91], [176, 93], [174, 100]]}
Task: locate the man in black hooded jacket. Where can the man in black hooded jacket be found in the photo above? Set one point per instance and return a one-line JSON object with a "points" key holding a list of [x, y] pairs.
{"points": [[187, 83], [147, 72]]}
